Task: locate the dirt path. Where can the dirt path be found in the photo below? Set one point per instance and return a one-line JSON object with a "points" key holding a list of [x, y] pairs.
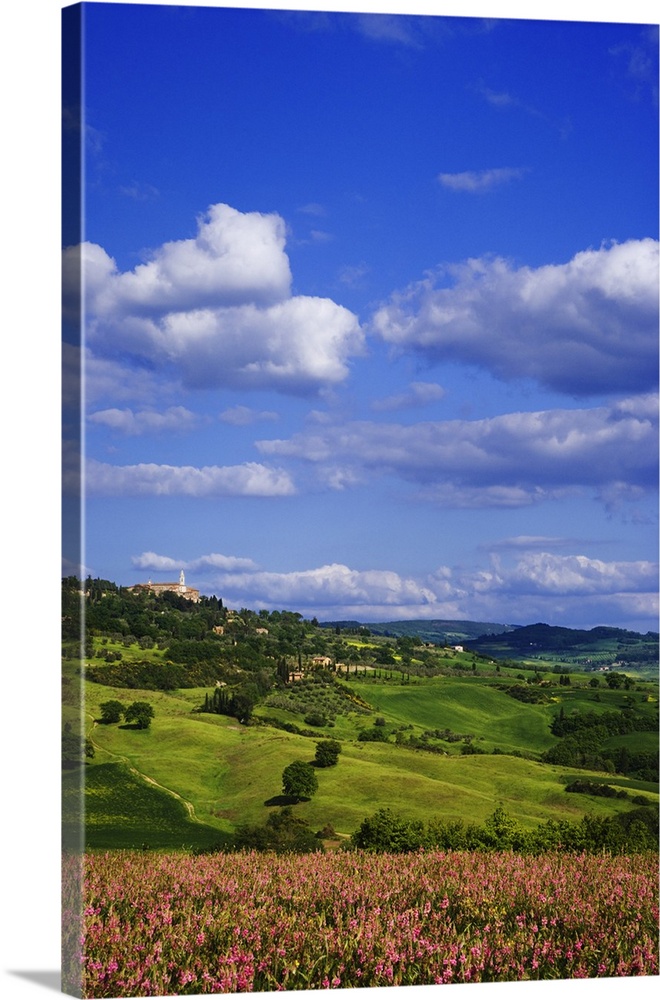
{"points": [[189, 807]]}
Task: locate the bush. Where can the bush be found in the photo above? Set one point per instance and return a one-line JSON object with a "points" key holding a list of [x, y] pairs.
{"points": [[283, 832], [327, 753], [316, 719], [386, 831]]}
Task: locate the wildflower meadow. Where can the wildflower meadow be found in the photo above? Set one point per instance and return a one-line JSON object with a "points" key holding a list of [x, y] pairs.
{"points": [[175, 924]]}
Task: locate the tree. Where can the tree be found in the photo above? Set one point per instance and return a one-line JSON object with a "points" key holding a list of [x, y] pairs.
{"points": [[244, 699], [111, 711], [141, 713], [299, 780], [327, 753], [502, 830], [388, 831], [283, 832]]}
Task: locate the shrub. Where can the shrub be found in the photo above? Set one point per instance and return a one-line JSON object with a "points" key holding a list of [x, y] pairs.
{"points": [[327, 753]]}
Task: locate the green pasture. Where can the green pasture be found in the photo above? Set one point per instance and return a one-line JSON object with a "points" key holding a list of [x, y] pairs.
{"points": [[211, 773], [467, 707], [129, 654], [122, 810]]}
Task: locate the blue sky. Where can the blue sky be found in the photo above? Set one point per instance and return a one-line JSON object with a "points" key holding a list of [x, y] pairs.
{"points": [[371, 311]]}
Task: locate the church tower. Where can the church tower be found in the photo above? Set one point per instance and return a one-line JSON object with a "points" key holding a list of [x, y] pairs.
{"points": [[182, 582]]}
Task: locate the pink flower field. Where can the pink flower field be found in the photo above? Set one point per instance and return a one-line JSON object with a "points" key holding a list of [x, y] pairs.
{"points": [[172, 924]]}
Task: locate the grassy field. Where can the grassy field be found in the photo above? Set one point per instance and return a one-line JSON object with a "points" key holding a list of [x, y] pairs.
{"points": [[190, 778]]}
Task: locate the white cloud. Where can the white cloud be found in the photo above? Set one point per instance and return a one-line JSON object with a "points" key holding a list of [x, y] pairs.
{"points": [[320, 236], [549, 573], [242, 416], [176, 419], [213, 561], [467, 497], [480, 181], [537, 586], [509, 460], [330, 586], [235, 258], [641, 60], [150, 479], [406, 31], [140, 191], [109, 379], [499, 98], [214, 310], [354, 275], [297, 345], [588, 326], [313, 208], [418, 394], [529, 542]]}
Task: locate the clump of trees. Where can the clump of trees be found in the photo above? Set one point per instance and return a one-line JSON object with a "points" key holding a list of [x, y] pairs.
{"points": [[283, 832], [584, 787], [387, 831], [582, 739], [139, 712], [237, 702]]}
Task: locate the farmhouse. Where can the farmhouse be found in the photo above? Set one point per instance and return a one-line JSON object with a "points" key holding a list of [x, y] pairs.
{"points": [[179, 588]]}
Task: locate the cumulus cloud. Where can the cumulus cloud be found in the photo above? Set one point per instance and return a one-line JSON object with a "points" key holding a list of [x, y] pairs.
{"points": [[330, 589], [549, 573], [536, 586], [150, 479], [296, 345], [418, 394], [235, 258], [213, 561], [509, 460], [176, 419], [586, 327], [480, 181], [214, 310], [116, 380]]}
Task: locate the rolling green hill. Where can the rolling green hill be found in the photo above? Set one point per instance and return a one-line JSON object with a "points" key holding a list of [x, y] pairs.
{"points": [[436, 630], [429, 731], [597, 647]]}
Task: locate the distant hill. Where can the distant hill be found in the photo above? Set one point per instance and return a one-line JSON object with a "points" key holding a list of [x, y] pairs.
{"points": [[600, 645], [437, 630]]}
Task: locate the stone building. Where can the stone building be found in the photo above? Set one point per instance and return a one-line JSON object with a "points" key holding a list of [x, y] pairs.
{"points": [[180, 588]]}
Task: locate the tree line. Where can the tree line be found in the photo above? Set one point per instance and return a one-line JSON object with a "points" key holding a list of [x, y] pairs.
{"points": [[630, 832]]}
